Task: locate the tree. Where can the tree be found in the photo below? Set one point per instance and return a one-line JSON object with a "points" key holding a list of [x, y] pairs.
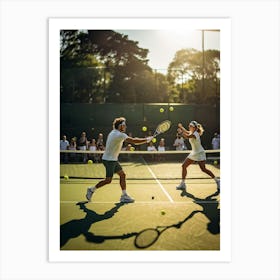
{"points": [[187, 75], [114, 62]]}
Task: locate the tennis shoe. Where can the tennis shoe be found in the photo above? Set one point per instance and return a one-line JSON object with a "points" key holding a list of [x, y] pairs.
{"points": [[182, 186], [89, 194], [125, 198]]}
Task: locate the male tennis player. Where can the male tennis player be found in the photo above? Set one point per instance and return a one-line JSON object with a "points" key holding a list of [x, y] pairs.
{"points": [[113, 147]]}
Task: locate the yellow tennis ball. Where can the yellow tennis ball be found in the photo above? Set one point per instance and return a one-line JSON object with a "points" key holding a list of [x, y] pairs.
{"points": [[215, 162], [90, 161], [154, 140], [161, 110], [132, 149], [144, 128], [66, 177], [171, 109], [162, 212]]}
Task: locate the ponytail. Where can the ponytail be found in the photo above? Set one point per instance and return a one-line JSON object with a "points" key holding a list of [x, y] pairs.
{"points": [[200, 129]]}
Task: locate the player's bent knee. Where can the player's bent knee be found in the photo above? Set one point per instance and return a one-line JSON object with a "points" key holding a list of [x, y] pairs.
{"points": [[108, 180], [122, 175]]}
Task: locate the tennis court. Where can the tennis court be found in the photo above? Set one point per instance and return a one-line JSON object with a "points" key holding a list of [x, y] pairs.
{"points": [[161, 218]]}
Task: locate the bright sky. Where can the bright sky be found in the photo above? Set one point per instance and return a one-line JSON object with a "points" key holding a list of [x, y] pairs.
{"points": [[163, 44]]}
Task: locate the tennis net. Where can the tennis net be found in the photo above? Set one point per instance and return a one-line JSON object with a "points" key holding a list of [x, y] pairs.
{"points": [[138, 165]]}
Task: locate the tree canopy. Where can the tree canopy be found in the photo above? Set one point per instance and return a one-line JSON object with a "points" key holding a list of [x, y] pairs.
{"points": [[98, 66], [194, 68]]}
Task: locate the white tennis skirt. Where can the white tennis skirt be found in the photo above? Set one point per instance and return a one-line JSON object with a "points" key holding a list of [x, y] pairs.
{"points": [[201, 156]]}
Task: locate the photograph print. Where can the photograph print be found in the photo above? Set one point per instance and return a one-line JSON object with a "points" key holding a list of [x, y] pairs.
{"points": [[140, 123]]}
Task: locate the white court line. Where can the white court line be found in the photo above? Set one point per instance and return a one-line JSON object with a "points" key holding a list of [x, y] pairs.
{"points": [[159, 183], [140, 202]]}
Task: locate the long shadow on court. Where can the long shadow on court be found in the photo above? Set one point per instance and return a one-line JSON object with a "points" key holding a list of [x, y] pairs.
{"points": [[210, 209], [75, 228], [144, 238]]}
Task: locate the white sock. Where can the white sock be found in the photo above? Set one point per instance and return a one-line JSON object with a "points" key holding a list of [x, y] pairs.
{"points": [[93, 189], [124, 192]]}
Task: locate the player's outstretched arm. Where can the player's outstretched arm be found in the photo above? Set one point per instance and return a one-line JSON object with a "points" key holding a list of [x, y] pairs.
{"points": [[138, 141], [184, 132]]}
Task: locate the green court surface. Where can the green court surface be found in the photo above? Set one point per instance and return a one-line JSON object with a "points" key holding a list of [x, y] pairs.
{"points": [[186, 220]]}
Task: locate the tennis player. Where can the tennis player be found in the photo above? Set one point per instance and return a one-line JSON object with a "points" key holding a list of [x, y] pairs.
{"points": [[113, 147], [197, 153]]}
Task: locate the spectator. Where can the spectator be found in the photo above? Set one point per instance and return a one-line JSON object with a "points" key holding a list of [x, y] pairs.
{"points": [[93, 147], [100, 142], [161, 148], [129, 148], [216, 141], [151, 147], [83, 145], [73, 147], [64, 145], [179, 143]]}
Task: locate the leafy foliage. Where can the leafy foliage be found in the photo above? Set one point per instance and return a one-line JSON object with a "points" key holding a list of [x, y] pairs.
{"points": [[99, 66], [198, 74]]}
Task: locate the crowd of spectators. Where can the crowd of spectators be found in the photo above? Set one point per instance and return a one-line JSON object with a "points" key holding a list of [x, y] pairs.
{"points": [[84, 144], [81, 144]]}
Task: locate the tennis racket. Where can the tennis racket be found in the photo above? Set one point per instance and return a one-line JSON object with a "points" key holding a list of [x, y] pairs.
{"points": [[162, 127]]}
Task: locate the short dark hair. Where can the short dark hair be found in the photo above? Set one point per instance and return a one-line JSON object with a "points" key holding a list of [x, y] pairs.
{"points": [[118, 121]]}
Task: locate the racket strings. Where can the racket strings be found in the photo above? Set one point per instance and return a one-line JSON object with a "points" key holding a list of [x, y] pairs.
{"points": [[163, 127]]}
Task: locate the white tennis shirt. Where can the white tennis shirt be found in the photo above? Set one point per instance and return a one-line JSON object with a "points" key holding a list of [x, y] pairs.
{"points": [[196, 143], [114, 145]]}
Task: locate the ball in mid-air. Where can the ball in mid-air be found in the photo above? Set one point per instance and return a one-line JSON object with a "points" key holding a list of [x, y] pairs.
{"points": [[215, 162], [171, 109], [66, 177], [144, 128], [161, 110], [90, 161], [154, 140], [162, 212]]}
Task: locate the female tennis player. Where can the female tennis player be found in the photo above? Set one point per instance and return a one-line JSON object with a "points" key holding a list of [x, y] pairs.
{"points": [[197, 153], [113, 147]]}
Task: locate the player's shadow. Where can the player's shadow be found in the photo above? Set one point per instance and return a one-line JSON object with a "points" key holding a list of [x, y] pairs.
{"points": [[142, 239], [75, 228], [210, 209]]}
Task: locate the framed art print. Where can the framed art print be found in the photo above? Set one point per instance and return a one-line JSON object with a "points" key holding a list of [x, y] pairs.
{"points": [[166, 200]]}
